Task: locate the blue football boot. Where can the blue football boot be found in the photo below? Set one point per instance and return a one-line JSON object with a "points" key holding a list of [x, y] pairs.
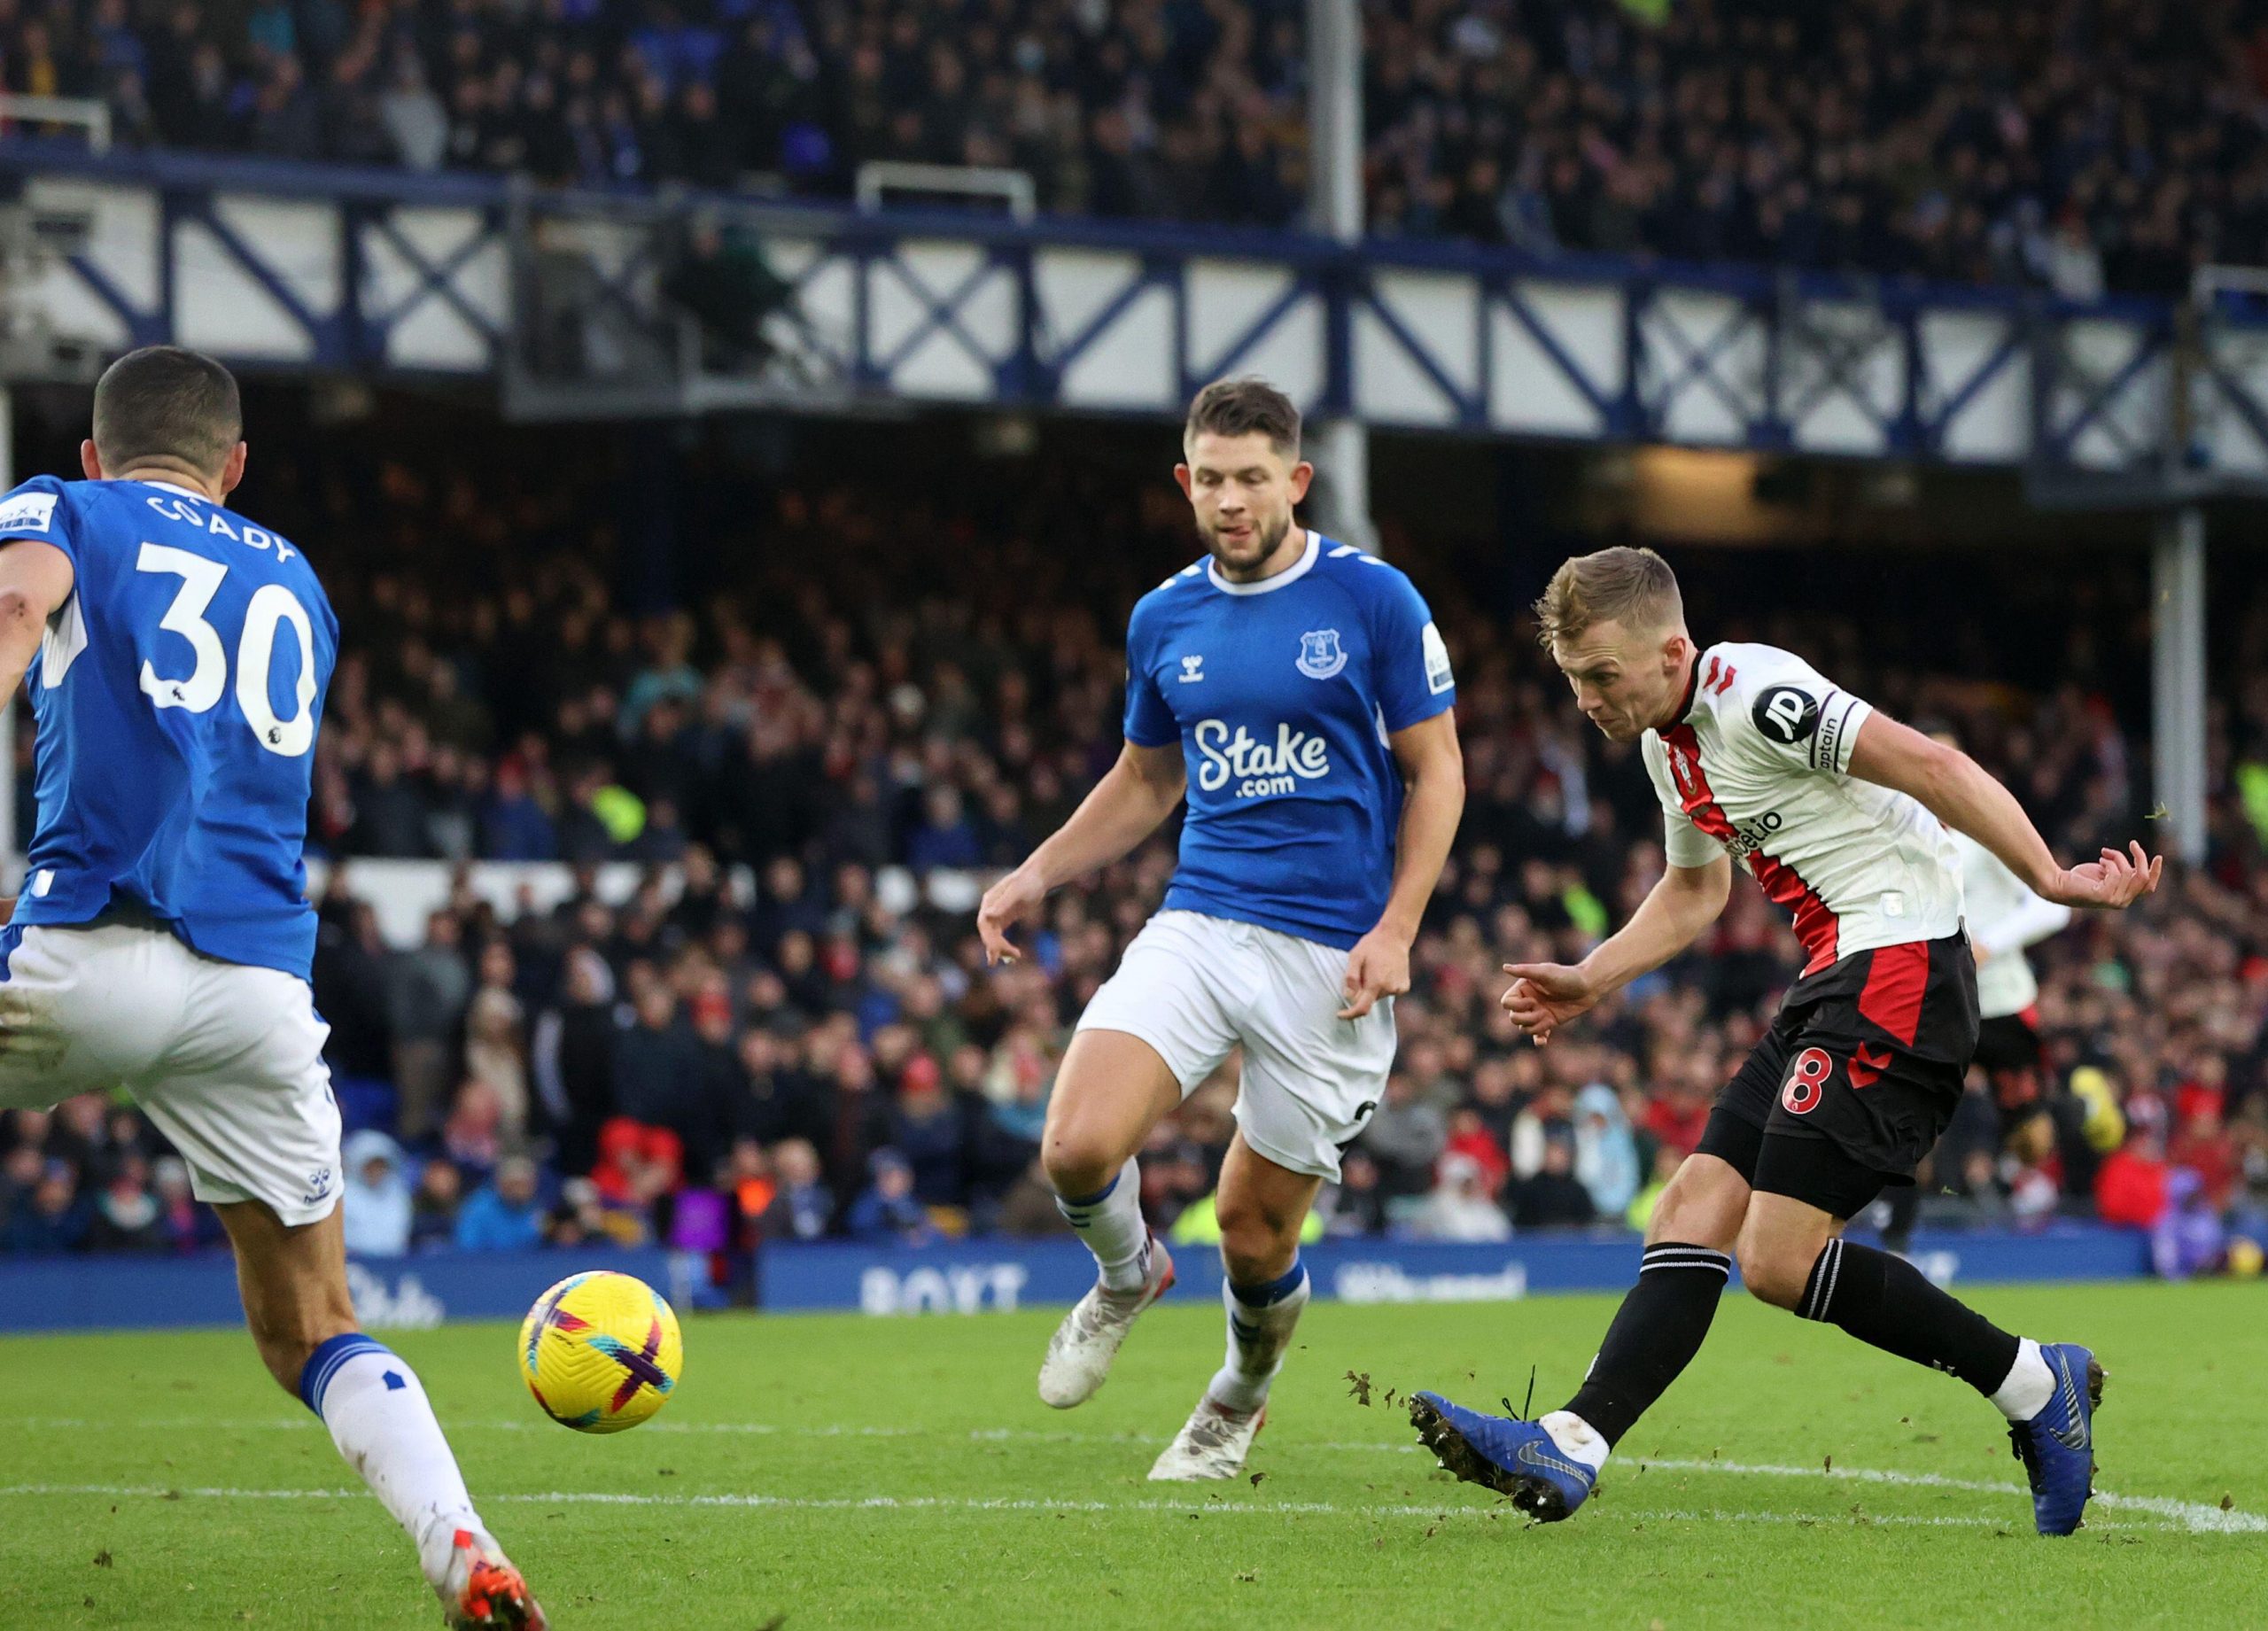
{"points": [[2057, 1445], [1514, 1457]]}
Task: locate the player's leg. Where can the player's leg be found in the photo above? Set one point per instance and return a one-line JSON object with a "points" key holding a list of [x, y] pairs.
{"points": [[293, 1281], [1832, 1145], [1793, 1256], [1309, 1085], [247, 1102], [1264, 1288], [1152, 1032], [1548, 1466], [1113, 1088]]}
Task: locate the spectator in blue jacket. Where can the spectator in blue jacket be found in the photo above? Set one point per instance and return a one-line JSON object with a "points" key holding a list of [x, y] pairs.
{"points": [[502, 1215], [887, 1212], [53, 1217], [376, 1199]]}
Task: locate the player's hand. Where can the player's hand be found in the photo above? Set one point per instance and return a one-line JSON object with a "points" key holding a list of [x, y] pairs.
{"points": [[2119, 879], [1542, 997], [1377, 967], [1006, 903]]}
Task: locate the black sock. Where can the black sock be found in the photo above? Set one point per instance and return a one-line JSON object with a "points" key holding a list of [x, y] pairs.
{"points": [[1904, 1201], [1888, 1302], [1655, 1334]]}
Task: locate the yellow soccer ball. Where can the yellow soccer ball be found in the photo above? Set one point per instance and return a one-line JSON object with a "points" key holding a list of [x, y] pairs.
{"points": [[2244, 1258], [601, 1351]]}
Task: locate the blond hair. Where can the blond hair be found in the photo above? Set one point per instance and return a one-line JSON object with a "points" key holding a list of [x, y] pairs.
{"points": [[1634, 588]]}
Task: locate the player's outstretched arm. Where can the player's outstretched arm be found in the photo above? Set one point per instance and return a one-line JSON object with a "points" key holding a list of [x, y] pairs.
{"points": [[1134, 797], [35, 579], [1957, 790], [1432, 776], [1545, 995]]}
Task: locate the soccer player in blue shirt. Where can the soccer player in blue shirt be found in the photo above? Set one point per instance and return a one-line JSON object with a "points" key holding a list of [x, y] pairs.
{"points": [[1296, 691], [177, 656]]}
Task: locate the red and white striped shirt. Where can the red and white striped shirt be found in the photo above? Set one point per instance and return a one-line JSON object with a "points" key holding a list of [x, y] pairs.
{"points": [[1759, 763]]}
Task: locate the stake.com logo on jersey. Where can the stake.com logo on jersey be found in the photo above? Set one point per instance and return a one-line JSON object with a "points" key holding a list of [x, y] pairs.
{"points": [[1259, 768]]}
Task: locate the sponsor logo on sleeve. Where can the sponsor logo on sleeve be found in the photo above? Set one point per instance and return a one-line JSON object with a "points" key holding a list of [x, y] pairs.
{"points": [[1438, 678], [27, 512], [1786, 714]]}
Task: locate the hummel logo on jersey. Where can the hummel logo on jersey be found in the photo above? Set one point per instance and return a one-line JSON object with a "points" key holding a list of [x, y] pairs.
{"points": [[1321, 656], [1259, 768], [1192, 670], [318, 1186], [1866, 1068]]}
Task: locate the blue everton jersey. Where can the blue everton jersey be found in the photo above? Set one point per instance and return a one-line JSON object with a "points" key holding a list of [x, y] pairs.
{"points": [[177, 695], [1282, 693]]}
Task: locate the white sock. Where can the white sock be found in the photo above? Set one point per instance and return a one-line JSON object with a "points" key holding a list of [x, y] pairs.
{"points": [[379, 1418], [1111, 1224], [1260, 1333], [1576, 1438], [2029, 1386]]}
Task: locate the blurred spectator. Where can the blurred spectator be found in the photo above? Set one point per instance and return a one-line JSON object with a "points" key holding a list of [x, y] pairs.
{"points": [[379, 1207], [2060, 146], [52, 1217], [429, 990], [433, 1206], [1460, 1208], [125, 1216], [573, 1059], [1606, 1157], [503, 1216], [1552, 1197], [801, 1209], [1356, 1208], [887, 1212], [184, 1223], [1404, 1138], [495, 1046], [473, 1137]]}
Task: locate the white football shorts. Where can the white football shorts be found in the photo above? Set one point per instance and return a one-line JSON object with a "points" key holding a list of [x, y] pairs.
{"points": [[1194, 986], [226, 1060]]}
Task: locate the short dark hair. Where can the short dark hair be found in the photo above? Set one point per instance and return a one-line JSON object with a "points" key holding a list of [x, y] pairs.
{"points": [[1240, 406], [166, 405]]}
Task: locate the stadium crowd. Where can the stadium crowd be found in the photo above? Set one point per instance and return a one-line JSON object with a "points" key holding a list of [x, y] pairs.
{"points": [[786, 1030], [2067, 146]]}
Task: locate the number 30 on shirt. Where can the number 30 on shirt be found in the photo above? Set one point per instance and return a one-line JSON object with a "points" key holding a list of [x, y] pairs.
{"points": [[272, 606]]}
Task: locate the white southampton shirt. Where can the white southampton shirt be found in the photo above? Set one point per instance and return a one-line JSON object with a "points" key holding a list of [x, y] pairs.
{"points": [[1758, 762]]}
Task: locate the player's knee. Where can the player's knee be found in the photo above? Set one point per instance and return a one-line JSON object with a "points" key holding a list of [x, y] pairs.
{"points": [[1255, 1246], [1773, 1268], [1693, 1210], [1078, 1162]]}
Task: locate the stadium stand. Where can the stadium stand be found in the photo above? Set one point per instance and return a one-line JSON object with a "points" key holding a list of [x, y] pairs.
{"points": [[837, 713], [2065, 146]]}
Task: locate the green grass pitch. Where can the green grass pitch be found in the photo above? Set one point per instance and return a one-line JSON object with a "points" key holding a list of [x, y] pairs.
{"points": [[854, 1472]]}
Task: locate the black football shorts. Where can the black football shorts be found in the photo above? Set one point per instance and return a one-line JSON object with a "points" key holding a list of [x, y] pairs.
{"points": [[1859, 1073]]}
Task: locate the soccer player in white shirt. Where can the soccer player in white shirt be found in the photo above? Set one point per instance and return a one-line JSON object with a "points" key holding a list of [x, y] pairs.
{"points": [[1842, 816]]}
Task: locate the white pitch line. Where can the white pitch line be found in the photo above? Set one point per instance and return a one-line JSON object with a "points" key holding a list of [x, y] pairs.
{"points": [[2195, 1516], [1007, 1504]]}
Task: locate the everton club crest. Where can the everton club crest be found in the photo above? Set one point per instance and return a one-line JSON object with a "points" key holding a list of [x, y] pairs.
{"points": [[1321, 656]]}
